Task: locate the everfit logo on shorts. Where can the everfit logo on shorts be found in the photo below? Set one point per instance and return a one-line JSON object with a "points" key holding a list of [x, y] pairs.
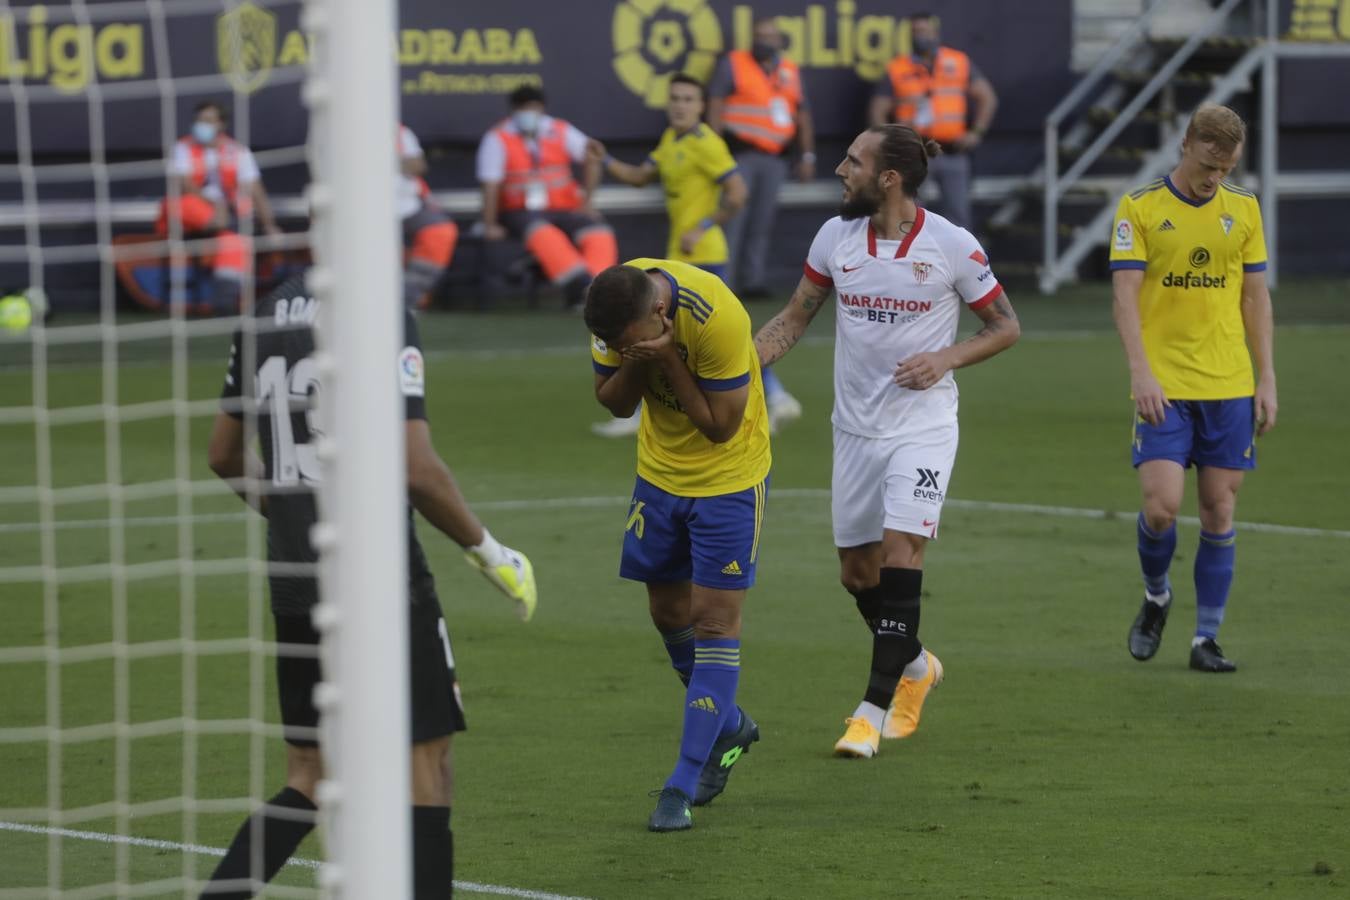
{"points": [[927, 488], [1188, 279]]}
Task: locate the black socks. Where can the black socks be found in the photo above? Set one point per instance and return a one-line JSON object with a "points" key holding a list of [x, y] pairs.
{"points": [[280, 826], [895, 639]]}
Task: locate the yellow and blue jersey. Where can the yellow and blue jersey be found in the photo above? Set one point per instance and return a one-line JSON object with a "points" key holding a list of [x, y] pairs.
{"points": [[693, 166], [712, 331], [1194, 255]]}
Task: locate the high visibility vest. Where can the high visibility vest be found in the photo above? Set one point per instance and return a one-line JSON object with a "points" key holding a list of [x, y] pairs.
{"points": [[934, 103], [223, 169], [762, 109], [538, 179]]}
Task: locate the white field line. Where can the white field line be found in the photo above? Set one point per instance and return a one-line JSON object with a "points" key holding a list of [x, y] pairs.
{"points": [[579, 349], [547, 503], [471, 887]]}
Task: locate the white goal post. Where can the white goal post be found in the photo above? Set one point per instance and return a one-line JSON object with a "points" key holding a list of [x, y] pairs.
{"points": [[363, 541]]}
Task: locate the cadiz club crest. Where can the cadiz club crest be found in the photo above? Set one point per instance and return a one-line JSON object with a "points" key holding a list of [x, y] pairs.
{"points": [[246, 46]]}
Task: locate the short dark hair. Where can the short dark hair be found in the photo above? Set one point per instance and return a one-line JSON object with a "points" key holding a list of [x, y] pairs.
{"points": [[219, 107], [686, 78], [618, 297], [526, 93], [905, 151]]}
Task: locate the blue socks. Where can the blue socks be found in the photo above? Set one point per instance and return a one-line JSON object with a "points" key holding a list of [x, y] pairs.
{"points": [[1155, 556], [1213, 578], [680, 646], [709, 707]]}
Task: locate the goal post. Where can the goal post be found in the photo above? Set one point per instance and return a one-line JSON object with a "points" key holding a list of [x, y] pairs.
{"points": [[362, 537]]}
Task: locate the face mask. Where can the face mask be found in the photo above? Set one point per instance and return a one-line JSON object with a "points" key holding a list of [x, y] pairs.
{"points": [[527, 120], [763, 51], [203, 132], [923, 46]]}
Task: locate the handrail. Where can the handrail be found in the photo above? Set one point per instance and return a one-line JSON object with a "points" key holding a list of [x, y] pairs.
{"points": [[1055, 185], [1141, 99], [1104, 66], [1159, 161]]}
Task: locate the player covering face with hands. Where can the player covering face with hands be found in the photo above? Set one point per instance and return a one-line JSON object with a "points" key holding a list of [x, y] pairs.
{"points": [[901, 276], [674, 337]]}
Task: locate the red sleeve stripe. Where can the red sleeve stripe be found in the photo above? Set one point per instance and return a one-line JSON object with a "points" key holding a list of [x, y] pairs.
{"points": [[816, 277], [988, 298]]}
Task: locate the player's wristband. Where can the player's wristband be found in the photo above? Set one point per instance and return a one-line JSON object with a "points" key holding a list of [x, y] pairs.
{"points": [[489, 552]]}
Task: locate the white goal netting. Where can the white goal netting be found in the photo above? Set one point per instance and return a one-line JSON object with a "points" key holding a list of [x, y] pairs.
{"points": [[138, 709]]}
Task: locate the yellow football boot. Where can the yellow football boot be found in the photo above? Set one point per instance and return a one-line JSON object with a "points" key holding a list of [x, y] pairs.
{"points": [[902, 719], [860, 741]]}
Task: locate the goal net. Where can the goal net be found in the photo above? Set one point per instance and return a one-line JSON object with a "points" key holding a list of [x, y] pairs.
{"points": [[139, 722]]}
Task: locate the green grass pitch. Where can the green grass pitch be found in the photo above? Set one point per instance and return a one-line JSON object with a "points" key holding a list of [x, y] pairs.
{"points": [[1050, 764]]}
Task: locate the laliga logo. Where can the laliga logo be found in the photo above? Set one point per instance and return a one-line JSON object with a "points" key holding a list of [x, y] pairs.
{"points": [[654, 39], [246, 45]]}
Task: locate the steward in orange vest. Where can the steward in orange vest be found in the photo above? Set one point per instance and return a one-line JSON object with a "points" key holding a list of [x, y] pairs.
{"points": [[937, 91], [932, 101], [940, 93], [218, 183], [529, 191], [761, 111], [756, 101]]}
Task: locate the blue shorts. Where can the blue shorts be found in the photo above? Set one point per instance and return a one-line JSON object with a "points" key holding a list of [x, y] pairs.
{"points": [[1219, 433], [712, 541]]}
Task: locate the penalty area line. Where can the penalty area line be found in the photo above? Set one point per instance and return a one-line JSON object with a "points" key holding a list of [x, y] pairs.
{"points": [[103, 837]]}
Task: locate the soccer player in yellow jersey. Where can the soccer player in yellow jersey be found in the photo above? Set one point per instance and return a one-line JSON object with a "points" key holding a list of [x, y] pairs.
{"points": [[704, 191], [676, 337], [1188, 262]]}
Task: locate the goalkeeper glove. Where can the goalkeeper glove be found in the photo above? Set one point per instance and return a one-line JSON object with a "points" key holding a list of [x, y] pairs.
{"points": [[509, 571]]}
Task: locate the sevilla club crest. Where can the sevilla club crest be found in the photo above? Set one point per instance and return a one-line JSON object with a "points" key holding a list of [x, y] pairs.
{"points": [[921, 271]]}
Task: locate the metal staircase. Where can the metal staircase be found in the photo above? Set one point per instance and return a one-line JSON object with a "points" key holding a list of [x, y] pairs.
{"points": [[1208, 62]]}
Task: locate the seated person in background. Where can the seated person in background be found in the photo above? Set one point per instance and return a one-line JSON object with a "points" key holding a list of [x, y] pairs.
{"points": [[525, 166], [218, 184], [429, 236]]}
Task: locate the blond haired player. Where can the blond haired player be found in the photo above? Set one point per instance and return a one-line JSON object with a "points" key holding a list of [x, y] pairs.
{"points": [[1188, 263]]}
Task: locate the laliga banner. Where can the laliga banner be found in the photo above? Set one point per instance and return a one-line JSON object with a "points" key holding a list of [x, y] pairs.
{"points": [[604, 64]]}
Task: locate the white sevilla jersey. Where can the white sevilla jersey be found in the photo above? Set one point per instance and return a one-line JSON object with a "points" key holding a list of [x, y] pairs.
{"points": [[896, 299]]}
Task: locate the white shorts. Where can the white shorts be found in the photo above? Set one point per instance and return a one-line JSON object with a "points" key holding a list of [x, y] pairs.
{"points": [[897, 483]]}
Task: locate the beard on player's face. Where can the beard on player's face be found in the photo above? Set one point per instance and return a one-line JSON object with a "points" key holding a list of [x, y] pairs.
{"points": [[861, 202]]}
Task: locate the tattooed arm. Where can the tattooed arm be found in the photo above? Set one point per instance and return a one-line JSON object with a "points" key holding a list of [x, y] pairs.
{"points": [[782, 331], [1000, 331]]}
